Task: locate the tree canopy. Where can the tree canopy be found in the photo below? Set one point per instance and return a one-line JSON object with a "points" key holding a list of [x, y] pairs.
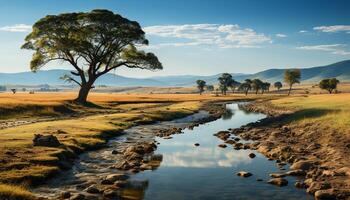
{"points": [[278, 85], [200, 85], [292, 76], [329, 84], [225, 80], [94, 43]]}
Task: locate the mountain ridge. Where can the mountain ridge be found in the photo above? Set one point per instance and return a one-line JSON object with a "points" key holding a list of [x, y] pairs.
{"points": [[339, 70]]}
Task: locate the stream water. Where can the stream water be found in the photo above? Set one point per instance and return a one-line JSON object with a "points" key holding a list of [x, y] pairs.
{"points": [[204, 172]]}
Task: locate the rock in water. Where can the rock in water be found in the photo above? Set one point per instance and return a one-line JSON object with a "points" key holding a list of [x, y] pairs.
{"points": [[278, 181], [222, 145], [324, 194], [196, 144], [45, 140], [303, 165], [244, 174], [251, 155]]}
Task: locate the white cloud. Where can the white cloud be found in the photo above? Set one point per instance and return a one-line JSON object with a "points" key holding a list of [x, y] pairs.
{"points": [[303, 31], [223, 36], [332, 48], [281, 35], [17, 28], [333, 29]]}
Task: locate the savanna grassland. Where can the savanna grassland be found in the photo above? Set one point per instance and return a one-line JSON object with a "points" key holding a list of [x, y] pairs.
{"points": [[77, 128], [323, 119]]}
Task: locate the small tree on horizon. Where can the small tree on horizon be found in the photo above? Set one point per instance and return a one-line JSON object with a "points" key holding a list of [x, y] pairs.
{"points": [[233, 85], [329, 84], [224, 81], [209, 88], [93, 43], [265, 87], [245, 87], [291, 77], [200, 85], [257, 84], [278, 85]]}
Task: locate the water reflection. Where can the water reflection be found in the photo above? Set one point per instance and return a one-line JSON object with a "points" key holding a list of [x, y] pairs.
{"points": [[227, 114]]}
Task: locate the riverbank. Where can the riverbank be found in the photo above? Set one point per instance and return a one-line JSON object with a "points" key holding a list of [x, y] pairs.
{"points": [[25, 164], [310, 132]]}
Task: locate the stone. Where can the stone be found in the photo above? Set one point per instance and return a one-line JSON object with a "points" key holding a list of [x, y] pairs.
{"points": [[277, 175], [78, 197], [196, 144], [114, 152], [222, 145], [315, 186], [303, 165], [251, 155], [92, 189], [244, 174], [299, 184], [278, 181], [111, 194], [325, 194], [116, 177], [297, 172], [46, 141], [65, 195]]}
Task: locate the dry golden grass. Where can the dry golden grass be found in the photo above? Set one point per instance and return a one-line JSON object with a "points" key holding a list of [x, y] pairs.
{"points": [[12, 192], [328, 110]]}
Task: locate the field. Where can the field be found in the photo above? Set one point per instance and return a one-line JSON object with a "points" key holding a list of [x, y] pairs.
{"points": [[82, 128]]}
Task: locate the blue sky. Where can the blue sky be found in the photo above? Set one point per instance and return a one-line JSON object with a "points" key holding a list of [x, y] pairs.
{"points": [[202, 36]]}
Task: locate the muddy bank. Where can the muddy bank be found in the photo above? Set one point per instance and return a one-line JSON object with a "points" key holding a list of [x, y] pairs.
{"points": [[323, 161]]}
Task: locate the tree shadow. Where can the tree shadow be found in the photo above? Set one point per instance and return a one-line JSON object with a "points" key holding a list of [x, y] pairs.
{"points": [[307, 114]]}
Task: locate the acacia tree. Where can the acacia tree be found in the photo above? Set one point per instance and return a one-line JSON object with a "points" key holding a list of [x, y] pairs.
{"points": [[200, 85], [329, 84], [224, 81], [233, 85], [265, 87], [257, 84], [292, 76], [209, 88], [278, 85], [246, 86], [94, 43]]}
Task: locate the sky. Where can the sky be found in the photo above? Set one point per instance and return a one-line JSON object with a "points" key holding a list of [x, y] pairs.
{"points": [[202, 37]]}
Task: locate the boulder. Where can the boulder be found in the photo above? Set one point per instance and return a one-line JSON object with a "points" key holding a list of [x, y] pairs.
{"points": [[244, 174], [222, 145], [297, 172], [299, 184], [116, 177], [92, 189], [65, 195], [277, 175], [325, 194], [303, 165], [315, 186], [251, 155], [278, 181], [46, 141]]}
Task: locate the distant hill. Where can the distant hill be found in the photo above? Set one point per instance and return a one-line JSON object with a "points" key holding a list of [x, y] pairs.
{"points": [[339, 70]]}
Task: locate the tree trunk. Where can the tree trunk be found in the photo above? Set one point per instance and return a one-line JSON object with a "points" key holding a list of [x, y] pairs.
{"points": [[83, 93], [290, 89], [246, 92]]}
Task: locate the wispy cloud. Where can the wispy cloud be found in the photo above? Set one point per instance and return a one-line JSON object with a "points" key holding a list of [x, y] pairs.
{"points": [[17, 28], [281, 35], [303, 31], [332, 48], [223, 36], [333, 29]]}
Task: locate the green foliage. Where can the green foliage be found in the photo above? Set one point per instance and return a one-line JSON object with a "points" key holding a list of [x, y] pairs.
{"points": [[200, 85], [291, 77], [100, 40], [329, 84], [209, 87], [257, 85], [265, 87], [246, 86], [278, 85], [225, 80]]}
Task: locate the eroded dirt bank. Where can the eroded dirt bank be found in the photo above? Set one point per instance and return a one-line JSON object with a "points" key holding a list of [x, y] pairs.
{"points": [[321, 155]]}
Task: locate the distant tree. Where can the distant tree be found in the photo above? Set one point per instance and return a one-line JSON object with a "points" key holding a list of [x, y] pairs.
{"points": [[94, 43], [13, 91], [233, 85], [257, 84], [329, 84], [24, 89], [224, 81], [200, 85], [291, 77], [278, 85], [246, 86], [209, 88], [265, 87]]}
